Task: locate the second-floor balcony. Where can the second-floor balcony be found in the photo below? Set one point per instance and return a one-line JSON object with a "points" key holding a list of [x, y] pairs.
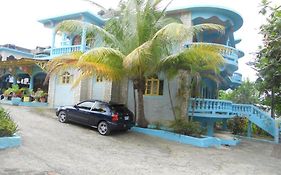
{"points": [[236, 78], [230, 54], [63, 50]]}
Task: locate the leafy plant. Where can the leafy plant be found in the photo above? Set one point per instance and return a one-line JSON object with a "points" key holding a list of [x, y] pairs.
{"points": [[185, 127], [246, 93], [26, 92], [7, 126], [238, 125], [157, 124], [7, 92]]}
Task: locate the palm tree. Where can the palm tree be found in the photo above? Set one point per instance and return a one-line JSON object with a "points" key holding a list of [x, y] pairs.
{"points": [[139, 43]]}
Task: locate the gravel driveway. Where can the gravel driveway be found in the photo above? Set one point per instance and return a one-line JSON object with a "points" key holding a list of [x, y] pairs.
{"points": [[52, 148]]}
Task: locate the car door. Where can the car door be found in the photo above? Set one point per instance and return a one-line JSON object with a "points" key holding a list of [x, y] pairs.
{"points": [[100, 112], [82, 112]]}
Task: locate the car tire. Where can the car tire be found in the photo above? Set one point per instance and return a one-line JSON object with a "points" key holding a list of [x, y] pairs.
{"points": [[103, 128], [62, 117]]}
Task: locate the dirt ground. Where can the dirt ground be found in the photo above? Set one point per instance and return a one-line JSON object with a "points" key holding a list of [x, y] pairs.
{"points": [[51, 148]]}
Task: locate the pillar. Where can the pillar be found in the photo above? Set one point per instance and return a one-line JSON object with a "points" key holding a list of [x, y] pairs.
{"points": [[31, 82], [277, 131], [53, 38], [210, 128], [83, 39], [224, 124], [249, 131], [14, 80]]}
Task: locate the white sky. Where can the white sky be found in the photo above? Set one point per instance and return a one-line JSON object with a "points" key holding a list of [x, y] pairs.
{"points": [[19, 24]]}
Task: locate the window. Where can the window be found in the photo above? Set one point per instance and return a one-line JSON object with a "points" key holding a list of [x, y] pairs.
{"points": [[99, 79], [87, 105], [76, 40], [154, 86], [100, 107], [66, 78]]}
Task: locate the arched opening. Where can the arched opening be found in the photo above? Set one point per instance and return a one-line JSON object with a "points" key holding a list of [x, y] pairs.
{"points": [[38, 80], [11, 58], [23, 80], [6, 82], [76, 40]]}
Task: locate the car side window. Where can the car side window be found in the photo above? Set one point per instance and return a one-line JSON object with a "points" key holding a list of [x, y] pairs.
{"points": [[87, 105], [99, 107]]}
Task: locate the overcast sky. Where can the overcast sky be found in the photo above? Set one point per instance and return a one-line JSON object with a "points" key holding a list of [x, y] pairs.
{"points": [[19, 22]]}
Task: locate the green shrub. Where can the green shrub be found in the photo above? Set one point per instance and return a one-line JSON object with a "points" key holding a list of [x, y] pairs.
{"points": [[185, 127], [7, 126], [238, 125]]}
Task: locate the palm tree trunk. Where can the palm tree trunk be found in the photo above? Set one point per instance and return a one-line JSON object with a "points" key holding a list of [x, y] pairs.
{"points": [[185, 81], [140, 86], [171, 100], [135, 104], [141, 121]]}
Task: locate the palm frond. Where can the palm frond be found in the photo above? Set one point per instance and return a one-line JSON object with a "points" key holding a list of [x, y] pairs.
{"points": [[141, 62], [63, 62], [106, 62], [207, 26], [194, 59]]}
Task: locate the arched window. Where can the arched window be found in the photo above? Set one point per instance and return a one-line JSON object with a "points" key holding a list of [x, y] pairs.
{"points": [[76, 40], [10, 58], [66, 78]]}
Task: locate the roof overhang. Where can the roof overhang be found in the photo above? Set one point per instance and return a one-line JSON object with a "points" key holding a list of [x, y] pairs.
{"points": [[26, 54], [207, 12], [21, 62], [85, 16]]}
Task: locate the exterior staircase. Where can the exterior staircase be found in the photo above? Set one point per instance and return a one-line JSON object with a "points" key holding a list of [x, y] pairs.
{"points": [[222, 109]]}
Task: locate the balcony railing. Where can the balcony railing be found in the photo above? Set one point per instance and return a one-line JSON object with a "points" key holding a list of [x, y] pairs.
{"points": [[229, 53], [226, 109], [236, 78], [210, 106], [38, 56], [64, 50]]}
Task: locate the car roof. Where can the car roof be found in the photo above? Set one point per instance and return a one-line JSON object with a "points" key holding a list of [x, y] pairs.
{"points": [[110, 103]]}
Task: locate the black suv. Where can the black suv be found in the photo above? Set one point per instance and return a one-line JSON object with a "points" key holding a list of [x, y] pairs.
{"points": [[106, 117]]}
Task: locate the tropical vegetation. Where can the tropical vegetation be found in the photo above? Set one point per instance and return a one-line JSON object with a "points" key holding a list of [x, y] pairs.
{"points": [[268, 62], [246, 93], [139, 43], [7, 126]]}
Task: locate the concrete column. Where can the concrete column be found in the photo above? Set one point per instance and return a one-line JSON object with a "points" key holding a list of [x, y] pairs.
{"points": [[14, 80], [210, 128], [83, 39], [31, 82], [53, 38], [224, 124], [249, 131], [277, 132]]}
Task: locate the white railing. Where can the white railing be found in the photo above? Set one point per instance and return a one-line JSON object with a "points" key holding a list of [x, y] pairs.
{"points": [[65, 50]]}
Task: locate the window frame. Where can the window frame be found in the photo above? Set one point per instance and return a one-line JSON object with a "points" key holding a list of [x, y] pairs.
{"points": [[65, 78], [84, 108], [151, 84]]}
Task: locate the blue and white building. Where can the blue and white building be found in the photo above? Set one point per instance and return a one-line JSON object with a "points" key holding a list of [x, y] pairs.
{"points": [[206, 108]]}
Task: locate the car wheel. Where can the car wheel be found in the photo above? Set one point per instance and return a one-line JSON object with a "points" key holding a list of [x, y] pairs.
{"points": [[103, 128], [62, 117]]}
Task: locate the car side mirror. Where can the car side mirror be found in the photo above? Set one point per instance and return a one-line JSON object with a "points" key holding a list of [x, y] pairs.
{"points": [[75, 106]]}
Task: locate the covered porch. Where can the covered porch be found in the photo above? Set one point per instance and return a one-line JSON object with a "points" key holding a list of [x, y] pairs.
{"points": [[23, 79]]}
